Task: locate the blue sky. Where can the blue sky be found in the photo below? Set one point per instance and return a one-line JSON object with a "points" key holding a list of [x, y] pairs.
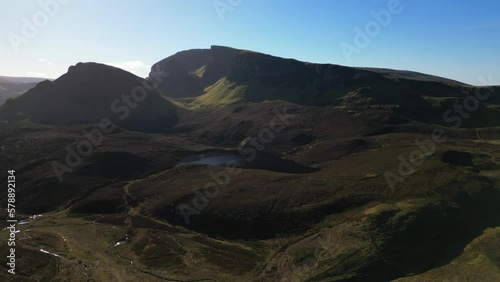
{"points": [[454, 39]]}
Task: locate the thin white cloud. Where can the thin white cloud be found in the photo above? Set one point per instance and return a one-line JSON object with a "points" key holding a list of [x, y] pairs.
{"points": [[135, 67], [44, 61]]}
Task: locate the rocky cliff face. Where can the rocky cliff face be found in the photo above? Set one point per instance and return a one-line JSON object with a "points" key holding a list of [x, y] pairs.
{"points": [[222, 75], [185, 61], [192, 71], [183, 80], [274, 70]]}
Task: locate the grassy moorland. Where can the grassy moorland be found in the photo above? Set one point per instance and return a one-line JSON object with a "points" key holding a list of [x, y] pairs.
{"points": [[340, 223]]}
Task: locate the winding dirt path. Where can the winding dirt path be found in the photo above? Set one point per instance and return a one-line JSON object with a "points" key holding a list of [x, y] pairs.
{"points": [[479, 135]]}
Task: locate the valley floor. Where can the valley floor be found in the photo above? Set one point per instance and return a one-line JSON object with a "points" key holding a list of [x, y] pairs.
{"points": [[121, 215]]}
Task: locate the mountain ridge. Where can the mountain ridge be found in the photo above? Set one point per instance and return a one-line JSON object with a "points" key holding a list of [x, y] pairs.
{"points": [[223, 75], [196, 69], [247, 76]]}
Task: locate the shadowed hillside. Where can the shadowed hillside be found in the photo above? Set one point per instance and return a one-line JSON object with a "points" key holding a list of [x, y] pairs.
{"points": [[89, 92]]}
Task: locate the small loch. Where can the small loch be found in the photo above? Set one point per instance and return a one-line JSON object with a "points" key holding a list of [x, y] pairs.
{"points": [[261, 161]]}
